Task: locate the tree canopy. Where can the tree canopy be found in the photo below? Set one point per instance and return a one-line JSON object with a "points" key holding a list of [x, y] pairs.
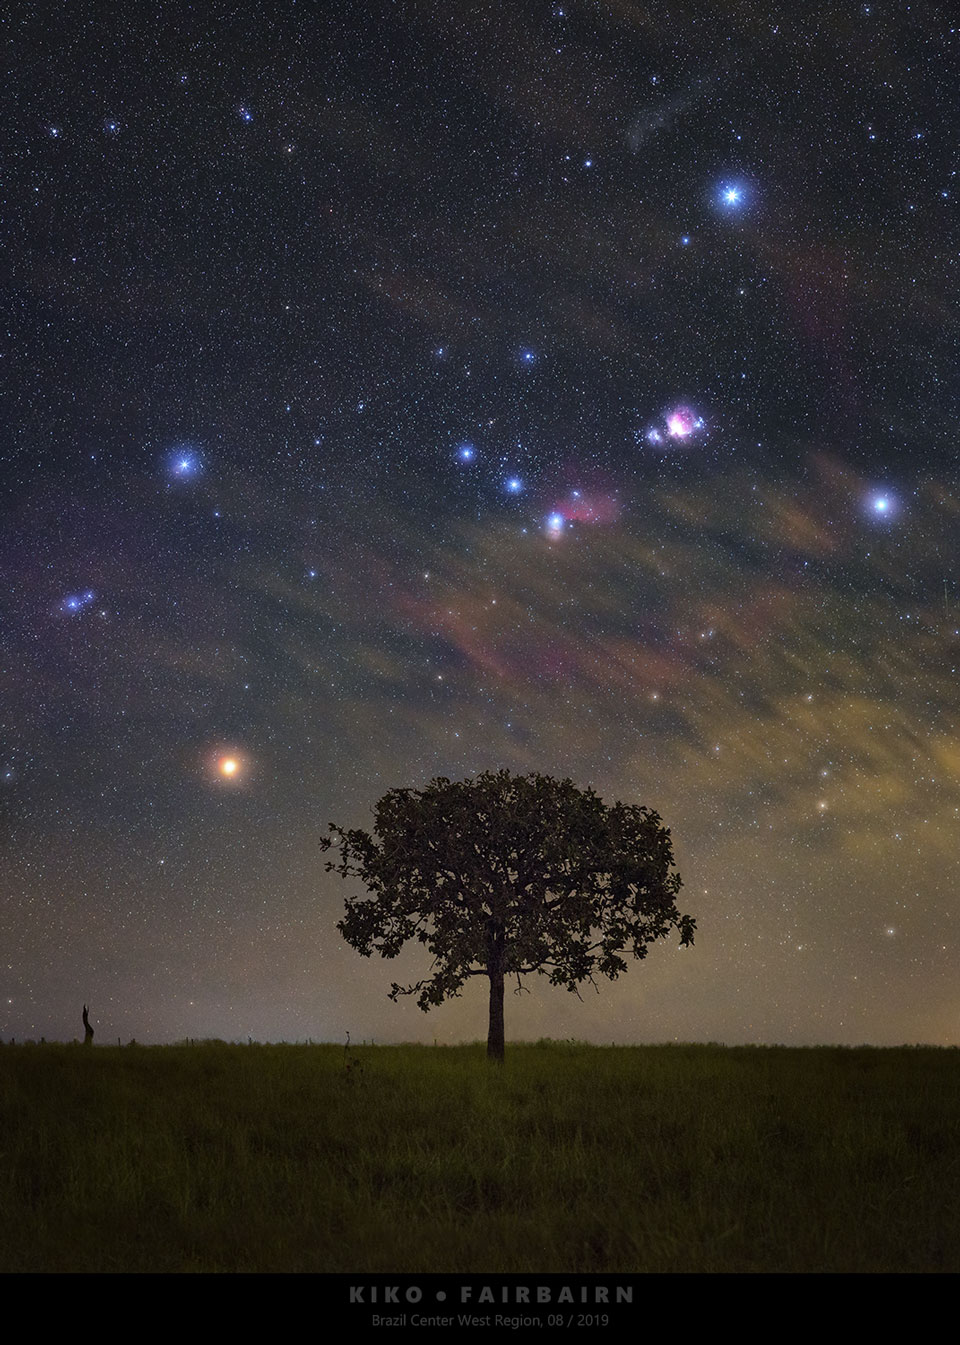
{"points": [[507, 875]]}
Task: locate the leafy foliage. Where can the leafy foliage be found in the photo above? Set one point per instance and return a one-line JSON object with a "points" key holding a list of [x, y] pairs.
{"points": [[509, 875]]}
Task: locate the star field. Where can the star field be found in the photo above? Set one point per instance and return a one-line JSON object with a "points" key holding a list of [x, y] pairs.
{"points": [[544, 387]]}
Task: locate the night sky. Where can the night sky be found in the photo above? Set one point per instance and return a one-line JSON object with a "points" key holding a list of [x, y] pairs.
{"points": [[430, 388]]}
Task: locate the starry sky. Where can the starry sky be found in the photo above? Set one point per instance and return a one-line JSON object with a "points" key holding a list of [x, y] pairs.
{"points": [[424, 389]]}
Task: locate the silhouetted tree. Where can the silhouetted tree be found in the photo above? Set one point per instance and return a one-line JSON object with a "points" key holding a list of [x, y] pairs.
{"points": [[87, 1029], [506, 875]]}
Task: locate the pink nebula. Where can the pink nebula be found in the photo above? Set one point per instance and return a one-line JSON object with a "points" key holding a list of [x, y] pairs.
{"points": [[682, 422]]}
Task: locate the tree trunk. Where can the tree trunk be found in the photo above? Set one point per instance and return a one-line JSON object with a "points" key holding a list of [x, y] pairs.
{"points": [[495, 972]]}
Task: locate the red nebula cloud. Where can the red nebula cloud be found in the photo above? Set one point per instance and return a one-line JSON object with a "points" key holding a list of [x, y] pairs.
{"points": [[581, 507]]}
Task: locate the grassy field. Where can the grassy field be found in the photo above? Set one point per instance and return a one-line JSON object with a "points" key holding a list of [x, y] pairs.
{"points": [[571, 1158]]}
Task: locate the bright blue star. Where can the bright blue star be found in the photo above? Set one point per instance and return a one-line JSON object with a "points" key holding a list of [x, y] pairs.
{"points": [[76, 602], [528, 357], [555, 524], [732, 195], [466, 452], [245, 113], [110, 126], [684, 240], [882, 505], [184, 464], [514, 485]]}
